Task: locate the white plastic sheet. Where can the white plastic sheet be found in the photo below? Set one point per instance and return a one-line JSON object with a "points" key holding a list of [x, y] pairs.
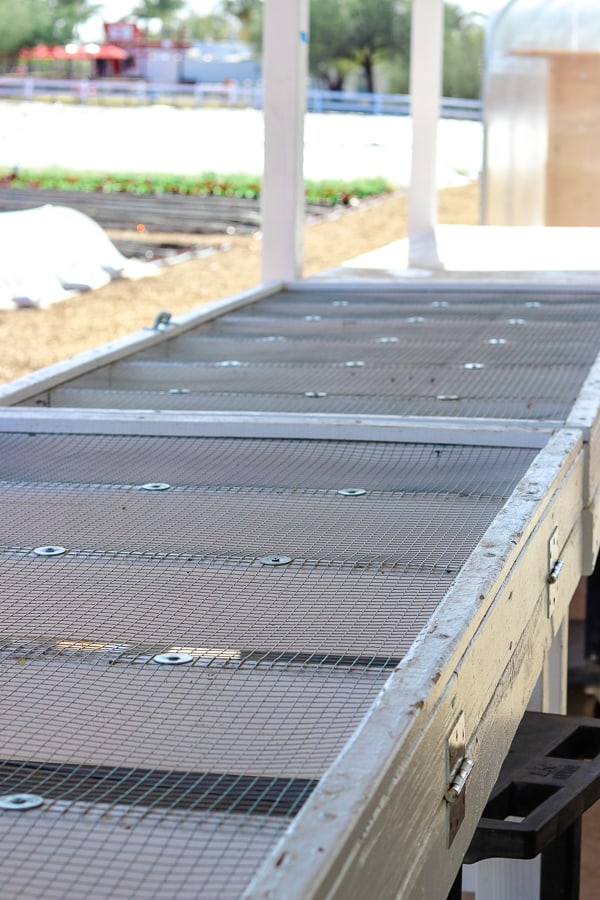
{"points": [[52, 252]]}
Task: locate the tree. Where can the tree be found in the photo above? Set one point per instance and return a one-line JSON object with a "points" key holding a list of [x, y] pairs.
{"points": [[17, 25], [379, 29], [165, 10], [60, 18], [370, 34], [329, 36], [24, 23], [249, 15], [213, 27], [463, 53]]}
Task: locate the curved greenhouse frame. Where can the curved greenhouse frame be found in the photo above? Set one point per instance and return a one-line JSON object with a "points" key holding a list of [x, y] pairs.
{"points": [[541, 96]]}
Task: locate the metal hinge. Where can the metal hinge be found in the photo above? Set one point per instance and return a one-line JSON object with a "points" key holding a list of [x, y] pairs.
{"points": [[459, 767], [555, 565], [456, 786]]}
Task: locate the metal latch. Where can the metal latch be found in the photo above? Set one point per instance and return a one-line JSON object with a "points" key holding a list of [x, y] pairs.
{"points": [[162, 321]]}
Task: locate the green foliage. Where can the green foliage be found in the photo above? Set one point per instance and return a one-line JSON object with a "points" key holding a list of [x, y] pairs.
{"points": [[351, 34], [328, 193], [165, 10], [328, 48], [213, 27], [17, 25], [61, 19], [24, 23], [463, 54], [248, 14], [380, 28], [336, 193]]}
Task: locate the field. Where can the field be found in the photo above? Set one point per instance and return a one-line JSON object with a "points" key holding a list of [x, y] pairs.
{"points": [[32, 338]]}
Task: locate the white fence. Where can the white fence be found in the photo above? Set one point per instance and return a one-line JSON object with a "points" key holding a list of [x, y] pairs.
{"points": [[142, 92]]}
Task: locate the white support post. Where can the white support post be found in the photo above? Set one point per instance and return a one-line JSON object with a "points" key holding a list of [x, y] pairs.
{"points": [[285, 59], [427, 42]]}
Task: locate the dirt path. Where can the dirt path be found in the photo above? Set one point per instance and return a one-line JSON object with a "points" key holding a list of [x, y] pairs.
{"points": [[32, 338]]}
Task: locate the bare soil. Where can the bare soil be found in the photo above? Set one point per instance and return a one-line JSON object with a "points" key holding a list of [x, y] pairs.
{"points": [[33, 338]]}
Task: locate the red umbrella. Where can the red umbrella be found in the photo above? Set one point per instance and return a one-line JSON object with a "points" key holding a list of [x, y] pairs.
{"points": [[42, 51], [75, 51]]}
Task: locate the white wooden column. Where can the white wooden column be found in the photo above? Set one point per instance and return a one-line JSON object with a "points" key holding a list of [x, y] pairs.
{"points": [[427, 44], [285, 59]]}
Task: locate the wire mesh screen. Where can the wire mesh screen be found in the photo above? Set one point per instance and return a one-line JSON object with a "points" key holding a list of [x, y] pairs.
{"points": [[450, 354], [193, 628], [315, 400]]}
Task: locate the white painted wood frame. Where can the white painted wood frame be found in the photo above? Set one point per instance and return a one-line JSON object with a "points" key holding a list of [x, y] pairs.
{"points": [[427, 31], [285, 67]]}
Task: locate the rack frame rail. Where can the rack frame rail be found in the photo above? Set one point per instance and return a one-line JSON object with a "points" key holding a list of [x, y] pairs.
{"points": [[391, 811]]}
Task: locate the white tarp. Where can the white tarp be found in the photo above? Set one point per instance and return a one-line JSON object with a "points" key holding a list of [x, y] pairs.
{"points": [[53, 252]]}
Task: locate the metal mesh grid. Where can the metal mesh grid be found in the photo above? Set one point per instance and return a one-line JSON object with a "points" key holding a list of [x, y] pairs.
{"points": [[498, 355], [354, 377], [315, 400], [94, 853], [419, 529], [438, 305], [326, 465], [388, 348], [301, 608], [285, 603], [159, 778], [175, 733], [412, 327]]}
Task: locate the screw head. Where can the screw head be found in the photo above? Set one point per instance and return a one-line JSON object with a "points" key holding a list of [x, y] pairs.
{"points": [[275, 560], [439, 303], [351, 492], [387, 340], [533, 304], [227, 363], [20, 801], [340, 303], [413, 320], [354, 363], [315, 394], [473, 366], [179, 390], [156, 486], [53, 550], [497, 341], [312, 318], [516, 321], [172, 659], [447, 397]]}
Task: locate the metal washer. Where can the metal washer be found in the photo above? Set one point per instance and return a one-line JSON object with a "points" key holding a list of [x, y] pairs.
{"points": [[50, 550], [20, 802], [275, 560], [172, 659]]}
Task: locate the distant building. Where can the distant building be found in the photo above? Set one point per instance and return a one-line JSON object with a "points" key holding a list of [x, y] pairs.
{"points": [[221, 62], [155, 59], [177, 60]]}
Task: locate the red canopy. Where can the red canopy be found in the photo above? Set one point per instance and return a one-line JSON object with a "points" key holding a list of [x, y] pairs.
{"points": [[75, 51]]}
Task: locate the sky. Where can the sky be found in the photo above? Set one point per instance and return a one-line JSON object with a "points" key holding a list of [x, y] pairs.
{"points": [[113, 10], [116, 9]]}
